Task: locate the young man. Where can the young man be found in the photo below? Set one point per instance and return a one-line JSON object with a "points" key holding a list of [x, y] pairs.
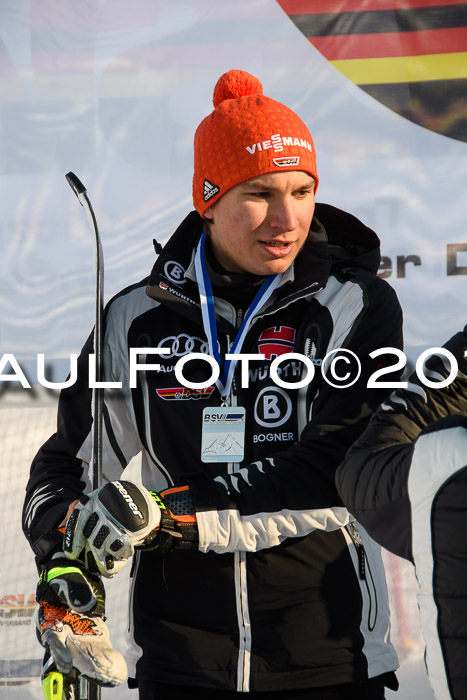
{"points": [[250, 577]]}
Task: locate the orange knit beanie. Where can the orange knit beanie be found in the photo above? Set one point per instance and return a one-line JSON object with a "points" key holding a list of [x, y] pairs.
{"points": [[246, 135]]}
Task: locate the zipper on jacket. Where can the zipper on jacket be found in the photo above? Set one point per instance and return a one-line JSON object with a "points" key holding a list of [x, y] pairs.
{"points": [[240, 575], [302, 418], [357, 540], [134, 568], [364, 574], [243, 617]]}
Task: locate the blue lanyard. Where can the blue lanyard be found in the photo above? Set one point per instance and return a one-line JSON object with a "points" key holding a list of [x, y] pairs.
{"points": [[209, 319]]}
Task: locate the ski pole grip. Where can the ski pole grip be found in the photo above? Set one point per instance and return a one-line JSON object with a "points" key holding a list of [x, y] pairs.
{"points": [[75, 184]]}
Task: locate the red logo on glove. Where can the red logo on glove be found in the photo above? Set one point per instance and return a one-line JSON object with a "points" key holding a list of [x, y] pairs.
{"points": [[276, 341]]}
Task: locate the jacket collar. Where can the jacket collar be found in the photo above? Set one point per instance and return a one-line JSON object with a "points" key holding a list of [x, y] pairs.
{"points": [[336, 241]]}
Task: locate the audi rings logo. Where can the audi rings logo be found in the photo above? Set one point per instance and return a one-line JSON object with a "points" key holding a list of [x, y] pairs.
{"points": [[183, 344], [174, 272]]}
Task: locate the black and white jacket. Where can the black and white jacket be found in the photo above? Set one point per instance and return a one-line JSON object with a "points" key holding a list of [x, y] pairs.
{"points": [[286, 591], [405, 479]]}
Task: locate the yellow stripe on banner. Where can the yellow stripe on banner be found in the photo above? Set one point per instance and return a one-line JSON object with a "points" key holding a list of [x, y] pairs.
{"points": [[404, 69]]}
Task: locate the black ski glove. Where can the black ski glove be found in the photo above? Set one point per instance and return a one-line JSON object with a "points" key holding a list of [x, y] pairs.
{"points": [[178, 527]]}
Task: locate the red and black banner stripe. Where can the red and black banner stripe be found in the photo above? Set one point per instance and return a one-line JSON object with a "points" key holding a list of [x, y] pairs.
{"points": [[411, 55]]}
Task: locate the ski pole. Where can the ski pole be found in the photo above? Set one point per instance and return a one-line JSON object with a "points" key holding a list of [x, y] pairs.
{"points": [[91, 691], [55, 684], [98, 395]]}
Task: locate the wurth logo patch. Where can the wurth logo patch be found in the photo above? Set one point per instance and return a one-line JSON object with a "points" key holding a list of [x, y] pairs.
{"points": [[276, 341], [209, 190]]}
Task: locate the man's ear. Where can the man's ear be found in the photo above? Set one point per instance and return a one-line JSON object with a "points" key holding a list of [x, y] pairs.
{"points": [[208, 213]]}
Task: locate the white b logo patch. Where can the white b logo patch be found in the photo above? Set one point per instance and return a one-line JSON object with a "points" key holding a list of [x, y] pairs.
{"points": [[174, 272], [273, 407]]}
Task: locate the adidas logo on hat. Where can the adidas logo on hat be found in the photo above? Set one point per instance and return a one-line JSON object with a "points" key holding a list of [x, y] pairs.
{"points": [[209, 190]]}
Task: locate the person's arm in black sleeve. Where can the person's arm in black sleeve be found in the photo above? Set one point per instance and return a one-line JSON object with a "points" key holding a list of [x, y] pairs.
{"points": [[373, 479], [291, 493], [60, 472]]}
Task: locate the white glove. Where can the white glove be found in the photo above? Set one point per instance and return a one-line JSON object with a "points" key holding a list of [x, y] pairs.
{"points": [[107, 525], [82, 642], [75, 639]]}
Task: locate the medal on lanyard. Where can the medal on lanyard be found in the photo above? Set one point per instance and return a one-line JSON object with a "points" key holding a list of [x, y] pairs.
{"points": [[223, 430], [223, 434]]}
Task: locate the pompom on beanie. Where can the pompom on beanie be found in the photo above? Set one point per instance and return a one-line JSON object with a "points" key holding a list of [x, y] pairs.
{"points": [[246, 135]]}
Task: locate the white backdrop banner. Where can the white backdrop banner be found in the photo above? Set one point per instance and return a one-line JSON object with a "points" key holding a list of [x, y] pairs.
{"points": [[114, 90]]}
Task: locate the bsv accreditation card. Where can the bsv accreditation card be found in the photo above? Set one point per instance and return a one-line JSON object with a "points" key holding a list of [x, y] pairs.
{"points": [[223, 435]]}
